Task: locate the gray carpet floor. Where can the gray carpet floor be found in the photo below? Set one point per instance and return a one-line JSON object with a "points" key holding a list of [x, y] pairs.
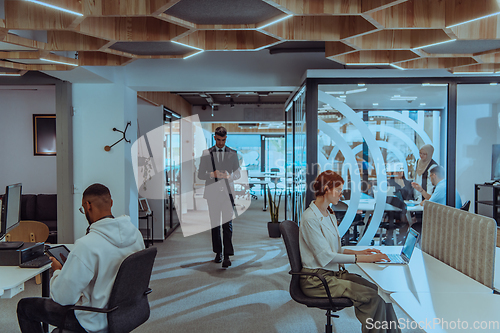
{"points": [[193, 294]]}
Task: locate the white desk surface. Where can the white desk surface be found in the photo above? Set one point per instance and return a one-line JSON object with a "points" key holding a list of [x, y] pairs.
{"points": [[369, 205], [12, 278], [424, 273], [471, 309]]}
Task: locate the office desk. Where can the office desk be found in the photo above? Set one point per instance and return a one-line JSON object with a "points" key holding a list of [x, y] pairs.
{"points": [[424, 273], [12, 279], [464, 309], [264, 184]]}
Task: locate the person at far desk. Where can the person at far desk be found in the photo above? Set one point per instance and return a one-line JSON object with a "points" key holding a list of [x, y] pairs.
{"points": [[321, 252], [89, 272], [424, 164], [436, 175], [401, 184]]}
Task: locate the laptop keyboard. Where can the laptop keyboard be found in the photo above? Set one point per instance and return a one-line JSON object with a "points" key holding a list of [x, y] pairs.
{"points": [[36, 263], [396, 258]]}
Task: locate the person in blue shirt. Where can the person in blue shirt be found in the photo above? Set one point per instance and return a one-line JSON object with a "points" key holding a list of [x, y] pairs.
{"points": [[436, 175]]}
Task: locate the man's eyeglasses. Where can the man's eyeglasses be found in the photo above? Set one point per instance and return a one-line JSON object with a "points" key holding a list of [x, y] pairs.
{"points": [[82, 210]]}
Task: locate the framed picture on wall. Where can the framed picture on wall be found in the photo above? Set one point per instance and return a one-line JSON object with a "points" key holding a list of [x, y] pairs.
{"points": [[44, 134]]}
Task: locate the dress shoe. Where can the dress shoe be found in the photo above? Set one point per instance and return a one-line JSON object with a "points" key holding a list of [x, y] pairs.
{"points": [[226, 263], [218, 258]]}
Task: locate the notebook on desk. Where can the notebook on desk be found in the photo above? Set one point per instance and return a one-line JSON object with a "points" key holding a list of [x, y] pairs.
{"points": [[404, 257]]}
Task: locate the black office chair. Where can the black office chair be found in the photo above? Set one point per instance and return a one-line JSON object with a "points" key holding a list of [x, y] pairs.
{"points": [[275, 180], [290, 232], [399, 217], [350, 238], [466, 206], [128, 305]]}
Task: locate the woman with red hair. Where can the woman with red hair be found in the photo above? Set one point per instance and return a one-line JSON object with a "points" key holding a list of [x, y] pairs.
{"points": [[321, 252]]}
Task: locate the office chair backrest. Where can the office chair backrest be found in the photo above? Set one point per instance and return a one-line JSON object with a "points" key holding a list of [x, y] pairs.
{"points": [[466, 206], [29, 231], [275, 180], [396, 202], [130, 291]]}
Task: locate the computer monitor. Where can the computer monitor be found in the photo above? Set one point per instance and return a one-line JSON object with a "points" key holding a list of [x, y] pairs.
{"points": [[11, 214]]}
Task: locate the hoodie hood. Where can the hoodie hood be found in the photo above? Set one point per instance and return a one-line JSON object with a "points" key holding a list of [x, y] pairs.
{"points": [[119, 231]]}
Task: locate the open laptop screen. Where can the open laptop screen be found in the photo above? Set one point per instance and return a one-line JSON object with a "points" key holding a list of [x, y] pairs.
{"points": [[411, 240]]}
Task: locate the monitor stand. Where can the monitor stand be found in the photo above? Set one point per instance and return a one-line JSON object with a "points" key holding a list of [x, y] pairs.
{"points": [[10, 245]]}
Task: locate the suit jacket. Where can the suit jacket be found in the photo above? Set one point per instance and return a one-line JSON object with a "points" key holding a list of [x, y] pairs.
{"points": [[229, 163]]}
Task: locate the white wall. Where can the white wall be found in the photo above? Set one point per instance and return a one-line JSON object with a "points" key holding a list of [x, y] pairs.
{"points": [[477, 130], [150, 117], [99, 108], [18, 164]]}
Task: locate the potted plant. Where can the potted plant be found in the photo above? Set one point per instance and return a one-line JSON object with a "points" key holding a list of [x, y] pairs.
{"points": [[273, 227]]}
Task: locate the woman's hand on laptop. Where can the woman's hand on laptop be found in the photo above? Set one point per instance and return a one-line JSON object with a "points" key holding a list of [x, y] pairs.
{"points": [[369, 251], [375, 257]]}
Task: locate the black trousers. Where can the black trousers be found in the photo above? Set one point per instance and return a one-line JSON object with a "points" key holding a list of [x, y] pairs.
{"points": [[221, 212], [33, 311]]}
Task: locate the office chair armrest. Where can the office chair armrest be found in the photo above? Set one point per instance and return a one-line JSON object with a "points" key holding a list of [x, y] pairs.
{"points": [[149, 291], [323, 281], [91, 309]]}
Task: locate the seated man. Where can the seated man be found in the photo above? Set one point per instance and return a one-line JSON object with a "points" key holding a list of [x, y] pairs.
{"points": [[89, 272], [436, 175]]}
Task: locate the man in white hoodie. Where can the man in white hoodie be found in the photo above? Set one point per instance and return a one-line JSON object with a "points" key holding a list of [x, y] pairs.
{"points": [[89, 272]]}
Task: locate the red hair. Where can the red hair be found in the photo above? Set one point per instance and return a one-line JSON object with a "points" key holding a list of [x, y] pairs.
{"points": [[326, 181]]}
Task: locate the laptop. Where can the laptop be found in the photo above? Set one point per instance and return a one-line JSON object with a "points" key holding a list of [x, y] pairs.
{"points": [[406, 252]]}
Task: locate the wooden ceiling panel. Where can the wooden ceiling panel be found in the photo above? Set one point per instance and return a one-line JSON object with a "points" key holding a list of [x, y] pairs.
{"points": [[487, 28], [375, 57], [437, 63], [96, 58], [16, 65], [399, 39], [131, 28], [320, 28], [490, 58], [227, 40], [25, 15], [372, 5], [72, 41], [125, 7], [16, 40], [477, 68], [336, 48], [434, 14], [318, 7]]}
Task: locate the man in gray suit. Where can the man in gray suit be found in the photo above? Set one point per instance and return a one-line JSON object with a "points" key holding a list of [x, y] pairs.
{"points": [[219, 167]]}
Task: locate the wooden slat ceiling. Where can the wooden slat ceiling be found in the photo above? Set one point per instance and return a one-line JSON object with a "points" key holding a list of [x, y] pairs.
{"points": [[396, 33]]}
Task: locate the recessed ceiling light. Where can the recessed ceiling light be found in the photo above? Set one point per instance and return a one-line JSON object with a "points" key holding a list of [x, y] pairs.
{"points": [[276, 21], [375, 104], [361, 84], [493, 83], [354, 91], [342, 96], [55, 7], [397, 96], [59, 62], [423, 104], [434, 84], [479, 18], [335, 92], [472, 73], [434, 44], [398, 67]]}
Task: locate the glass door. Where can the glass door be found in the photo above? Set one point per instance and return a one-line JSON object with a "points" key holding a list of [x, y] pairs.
{"points": [[172, 170]]}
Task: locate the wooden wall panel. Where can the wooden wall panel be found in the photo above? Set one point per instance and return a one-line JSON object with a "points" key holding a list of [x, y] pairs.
{"points": [[131, 28], [171, 101], [72, 41]]}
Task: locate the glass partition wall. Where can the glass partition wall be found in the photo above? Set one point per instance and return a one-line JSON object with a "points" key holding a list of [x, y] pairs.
{"points": [[370, 134]]}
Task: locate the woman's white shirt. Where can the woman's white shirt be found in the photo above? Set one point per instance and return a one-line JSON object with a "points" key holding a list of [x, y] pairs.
{"points": [[319, 241]]}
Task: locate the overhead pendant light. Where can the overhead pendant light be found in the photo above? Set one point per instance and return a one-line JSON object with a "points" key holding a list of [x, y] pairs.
{"points": [[54, 7]]}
